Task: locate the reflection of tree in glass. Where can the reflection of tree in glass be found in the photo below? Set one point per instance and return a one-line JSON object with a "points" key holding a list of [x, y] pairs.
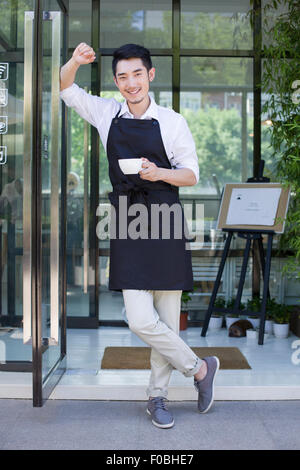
{"points": [[217, 135], [150, 28], [215, 31], [8, 11], [214, 71]]}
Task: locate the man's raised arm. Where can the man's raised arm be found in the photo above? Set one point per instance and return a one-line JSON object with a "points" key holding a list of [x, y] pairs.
{"points": [[82, 55]]}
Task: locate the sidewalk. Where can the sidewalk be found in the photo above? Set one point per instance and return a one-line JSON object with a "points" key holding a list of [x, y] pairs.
{"points": [[113, 425]]}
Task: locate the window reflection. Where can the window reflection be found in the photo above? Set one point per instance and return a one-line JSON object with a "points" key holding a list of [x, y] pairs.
{"points": [[80, 22], [147, 23], [216, 100], [215, 25]]}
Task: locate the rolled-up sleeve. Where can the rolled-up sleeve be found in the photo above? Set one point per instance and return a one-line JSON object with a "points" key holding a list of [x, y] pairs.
{"points": [[184, 149], [92, 108]]}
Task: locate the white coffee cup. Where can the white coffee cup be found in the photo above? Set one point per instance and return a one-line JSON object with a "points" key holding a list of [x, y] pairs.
{"points": [[130, 166]]}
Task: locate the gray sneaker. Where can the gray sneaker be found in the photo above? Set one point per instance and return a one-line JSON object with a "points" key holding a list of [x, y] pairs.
{"points": [[205, 387], [161, 416]]}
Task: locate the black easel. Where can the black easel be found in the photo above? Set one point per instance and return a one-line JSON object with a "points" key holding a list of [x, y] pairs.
{"points": [[250, 236]]}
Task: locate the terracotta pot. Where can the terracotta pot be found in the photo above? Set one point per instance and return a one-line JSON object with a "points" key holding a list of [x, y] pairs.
{"points": [[183, 321]]}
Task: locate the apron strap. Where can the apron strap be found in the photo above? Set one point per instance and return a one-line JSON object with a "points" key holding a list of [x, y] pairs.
{"points": [[117, 115]]}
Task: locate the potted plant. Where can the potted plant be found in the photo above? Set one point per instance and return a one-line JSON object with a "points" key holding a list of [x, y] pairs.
{"points": [[254, 305], [231, 317], [185, 298], [270, 312], [216, 319], [252, 333], [282, 321]]}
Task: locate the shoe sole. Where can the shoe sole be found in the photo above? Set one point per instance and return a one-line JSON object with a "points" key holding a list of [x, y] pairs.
{"points": [[213, 387], [163, 426]]}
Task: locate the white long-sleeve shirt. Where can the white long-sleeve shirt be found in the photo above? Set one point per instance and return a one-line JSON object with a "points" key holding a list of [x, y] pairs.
{"points": [[177, 138]]}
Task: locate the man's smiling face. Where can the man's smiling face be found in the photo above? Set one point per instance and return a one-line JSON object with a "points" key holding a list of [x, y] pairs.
{"points": [[132, 78]]}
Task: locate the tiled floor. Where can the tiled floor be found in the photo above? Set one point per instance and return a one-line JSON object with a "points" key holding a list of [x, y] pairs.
{"points": [[274, 373]]}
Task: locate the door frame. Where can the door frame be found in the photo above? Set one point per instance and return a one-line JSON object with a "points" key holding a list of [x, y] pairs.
{"points": [[42, 388]]}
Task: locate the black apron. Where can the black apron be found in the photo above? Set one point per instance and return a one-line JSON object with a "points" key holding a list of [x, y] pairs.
{"points": [[148, 264]]}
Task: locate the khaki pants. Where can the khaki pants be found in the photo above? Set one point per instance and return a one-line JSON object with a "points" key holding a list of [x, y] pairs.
{"points": [[153, 315]]}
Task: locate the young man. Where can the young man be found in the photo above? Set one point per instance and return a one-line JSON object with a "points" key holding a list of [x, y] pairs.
{"points": [[151, 273]]}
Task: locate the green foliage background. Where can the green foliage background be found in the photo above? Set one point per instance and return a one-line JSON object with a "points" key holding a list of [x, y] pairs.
{"points": [[281, 70]]}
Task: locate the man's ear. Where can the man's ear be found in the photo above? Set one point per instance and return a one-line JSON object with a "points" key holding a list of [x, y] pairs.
{"points": [[116, 83], [151, 74]]}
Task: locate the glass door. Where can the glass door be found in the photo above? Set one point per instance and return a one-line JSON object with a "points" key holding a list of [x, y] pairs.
{"points": [[44, 197], [49, 329], [32, 192]]}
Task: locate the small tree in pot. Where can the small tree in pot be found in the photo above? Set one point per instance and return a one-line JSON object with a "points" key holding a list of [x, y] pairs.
{"points": [[282, 321], [270, 312], [216, 319], [232, 317], [254, 305]]}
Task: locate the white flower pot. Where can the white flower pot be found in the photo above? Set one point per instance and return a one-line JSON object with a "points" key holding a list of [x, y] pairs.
{"points": [[251, 333], [215, 323], [281, 330], [255, 321], [230, 320], [269, 327]]}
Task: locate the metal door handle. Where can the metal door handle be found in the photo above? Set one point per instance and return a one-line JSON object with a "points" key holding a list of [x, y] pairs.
{"points": [[28, 55], [86, 208], [55, 16]]}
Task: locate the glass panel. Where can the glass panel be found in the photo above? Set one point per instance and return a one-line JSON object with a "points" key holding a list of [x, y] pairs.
{"points": [[6, 20], [12, 22], [205, 270], [281, 75], [79, 151], [111, 303], [80, 19], [217, 101], [215, 24], [269, 15], [147, 23], [12, 156]]}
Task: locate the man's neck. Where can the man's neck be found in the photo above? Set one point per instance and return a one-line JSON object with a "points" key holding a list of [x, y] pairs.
{"points": [[138, 109]]}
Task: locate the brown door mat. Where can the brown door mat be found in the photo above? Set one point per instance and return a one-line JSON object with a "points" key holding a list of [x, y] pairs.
{"points": [[139, 357]]}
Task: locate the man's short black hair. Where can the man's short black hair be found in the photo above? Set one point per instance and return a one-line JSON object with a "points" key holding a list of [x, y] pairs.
{"points": [[130, 51]]}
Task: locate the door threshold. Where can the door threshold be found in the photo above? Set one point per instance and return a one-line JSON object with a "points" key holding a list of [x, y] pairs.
{"points": [[137, 393]]}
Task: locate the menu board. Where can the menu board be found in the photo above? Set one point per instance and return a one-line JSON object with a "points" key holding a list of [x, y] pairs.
{"points": [[256, 206]]}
